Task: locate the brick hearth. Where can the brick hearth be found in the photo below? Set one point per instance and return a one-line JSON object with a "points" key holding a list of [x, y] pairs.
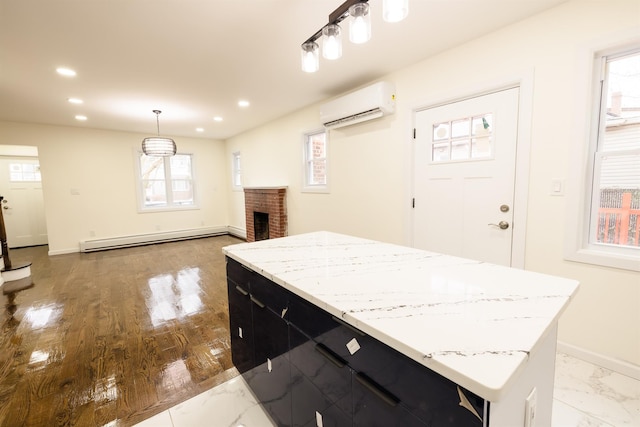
{"points": [[267, 200]]}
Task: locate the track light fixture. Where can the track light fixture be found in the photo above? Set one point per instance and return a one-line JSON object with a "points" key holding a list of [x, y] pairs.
{"points": [[159, 146], [359, 29]]}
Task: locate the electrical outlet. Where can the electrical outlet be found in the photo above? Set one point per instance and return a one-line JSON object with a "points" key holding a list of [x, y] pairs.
{"points": [[530, 409]]}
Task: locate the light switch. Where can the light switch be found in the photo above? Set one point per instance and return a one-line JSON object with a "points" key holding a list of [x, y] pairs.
{"points": [[557, 187]]}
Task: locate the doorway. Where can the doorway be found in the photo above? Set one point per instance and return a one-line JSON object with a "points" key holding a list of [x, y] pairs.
{"points": [[23, 202], [464, 172]]}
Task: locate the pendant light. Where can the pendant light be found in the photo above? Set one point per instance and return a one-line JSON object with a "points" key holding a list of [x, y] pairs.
{"points": [[310, 57], [158, 146], [332, 41], [360, 23], [394, 10]]}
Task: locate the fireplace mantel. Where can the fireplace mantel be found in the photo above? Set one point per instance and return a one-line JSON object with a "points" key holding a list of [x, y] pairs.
{"points": [[270, 201]]}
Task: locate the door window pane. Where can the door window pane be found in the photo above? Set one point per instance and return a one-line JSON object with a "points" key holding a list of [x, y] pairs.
{"points": [[24, 172], [451, 139]]}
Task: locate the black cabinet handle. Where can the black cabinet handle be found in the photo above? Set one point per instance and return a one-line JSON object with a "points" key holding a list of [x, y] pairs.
{"points": [[330, 355], [348, 326], [256, 301], [246, 268], [242, 291], [377, 389]]}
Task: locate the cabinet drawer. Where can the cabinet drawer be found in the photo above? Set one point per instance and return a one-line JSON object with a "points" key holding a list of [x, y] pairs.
{"points": [[327, 372], [238, 273], [274, 296], [310, 319], [426, 394], [373, 406]]}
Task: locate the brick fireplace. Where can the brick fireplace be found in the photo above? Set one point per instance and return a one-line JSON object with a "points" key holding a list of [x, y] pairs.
{"points": [[266, 212]]}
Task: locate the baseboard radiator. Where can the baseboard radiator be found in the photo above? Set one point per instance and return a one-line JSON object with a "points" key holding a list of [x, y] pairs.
{"points": [[150, 238]]}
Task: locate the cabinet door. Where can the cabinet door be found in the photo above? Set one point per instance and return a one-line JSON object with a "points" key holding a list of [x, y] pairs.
{"points": [[374, 406], [270, 380], [429, 396], [240, 327], [321, 383]]}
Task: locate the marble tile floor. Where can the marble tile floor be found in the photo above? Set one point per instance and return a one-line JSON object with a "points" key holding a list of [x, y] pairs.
{"points": [[585, 395]]}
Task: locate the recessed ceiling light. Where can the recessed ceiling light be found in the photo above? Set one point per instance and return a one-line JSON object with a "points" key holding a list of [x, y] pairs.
{"points": [[243, 103], [68, 72], [199, 130], [75, 100], [217, 119], [81, 117]]}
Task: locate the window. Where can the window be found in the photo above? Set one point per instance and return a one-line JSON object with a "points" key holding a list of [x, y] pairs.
{"points": [[166, 182], [24, 172], [236, 171], [467, 138], [615, 198], [611, 229], [315, 162]]}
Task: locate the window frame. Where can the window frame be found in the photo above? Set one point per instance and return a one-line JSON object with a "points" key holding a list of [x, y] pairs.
{"points": [[236, 170], [578, 245], [307, 187], [168, 186]]}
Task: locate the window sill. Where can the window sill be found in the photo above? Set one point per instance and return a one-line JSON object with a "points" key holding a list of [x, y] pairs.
{"points": [[605, 259], [320, 190], [169, 209]]}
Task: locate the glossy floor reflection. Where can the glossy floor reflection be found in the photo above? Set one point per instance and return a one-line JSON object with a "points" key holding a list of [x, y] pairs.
{"points": [[114, 337], [584, 395]]}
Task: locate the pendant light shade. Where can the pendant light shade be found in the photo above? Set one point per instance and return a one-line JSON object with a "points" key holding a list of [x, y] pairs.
{"points": [[360, 23], [158, 146], [310, 57], [332, 42], [394, 10]]}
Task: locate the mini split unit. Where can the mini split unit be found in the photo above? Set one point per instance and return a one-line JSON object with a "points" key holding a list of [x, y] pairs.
{"points": [[361, 105]]}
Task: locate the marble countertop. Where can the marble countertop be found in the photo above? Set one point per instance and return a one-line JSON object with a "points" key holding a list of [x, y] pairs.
{"points": [[472, 322]]}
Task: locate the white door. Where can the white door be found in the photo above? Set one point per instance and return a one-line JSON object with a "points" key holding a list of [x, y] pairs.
{"points": [[464, 176], [23, 204]]}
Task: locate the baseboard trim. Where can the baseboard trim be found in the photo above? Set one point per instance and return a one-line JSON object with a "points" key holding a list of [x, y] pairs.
{"points": [[138, 240], [237, 232], [616, 365], [149, 238]]}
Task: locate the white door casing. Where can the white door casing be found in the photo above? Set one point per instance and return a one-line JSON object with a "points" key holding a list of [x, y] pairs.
{"points": [[457, 200]]}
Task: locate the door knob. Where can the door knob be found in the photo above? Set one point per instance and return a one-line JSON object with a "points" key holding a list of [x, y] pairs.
{"points": [[503, 225]]}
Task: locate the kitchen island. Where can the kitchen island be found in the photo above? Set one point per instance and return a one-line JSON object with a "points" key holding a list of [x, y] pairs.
{"points": [[330, 329]]}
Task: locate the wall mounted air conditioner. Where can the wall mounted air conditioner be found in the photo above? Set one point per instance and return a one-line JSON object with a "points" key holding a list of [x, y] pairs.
{"points": [[364, 104]]}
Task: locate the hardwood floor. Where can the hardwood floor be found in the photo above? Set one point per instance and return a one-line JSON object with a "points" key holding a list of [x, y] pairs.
{"points": [[114, 337]]}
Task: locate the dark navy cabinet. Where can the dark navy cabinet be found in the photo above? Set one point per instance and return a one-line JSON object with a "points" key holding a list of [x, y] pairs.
{"points": [[240, 326], [309, 368], [270, 378], [260, 338], [321, 383]]}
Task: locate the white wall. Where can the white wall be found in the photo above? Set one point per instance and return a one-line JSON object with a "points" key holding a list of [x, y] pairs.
{"points": [[100, 166], [369, 163]]}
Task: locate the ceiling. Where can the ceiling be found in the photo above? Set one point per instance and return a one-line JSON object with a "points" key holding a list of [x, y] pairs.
{"points": [[195, 59]]}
